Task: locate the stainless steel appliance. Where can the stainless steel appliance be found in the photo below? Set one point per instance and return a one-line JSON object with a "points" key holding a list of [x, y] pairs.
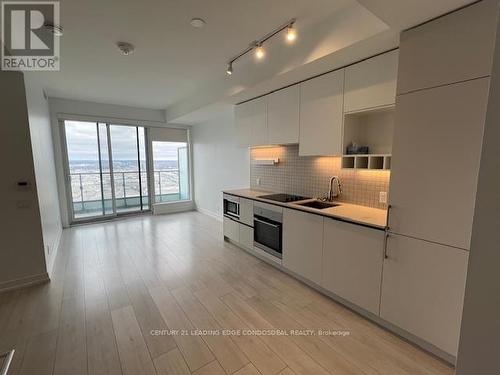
{"points": [[232, 207], [268, 230], [283, 198]]}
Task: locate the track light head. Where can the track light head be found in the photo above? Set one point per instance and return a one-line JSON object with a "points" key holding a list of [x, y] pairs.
{"points": [[229, 69], [291, 33], [260, 52]]}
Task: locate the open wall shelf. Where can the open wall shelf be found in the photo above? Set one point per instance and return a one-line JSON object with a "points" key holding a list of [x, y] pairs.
{"points": [[369, 162]]}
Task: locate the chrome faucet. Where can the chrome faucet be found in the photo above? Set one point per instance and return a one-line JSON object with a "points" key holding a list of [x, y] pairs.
{"points": [[335, 190]]}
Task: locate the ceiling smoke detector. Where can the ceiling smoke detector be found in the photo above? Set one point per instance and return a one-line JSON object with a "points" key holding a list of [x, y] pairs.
{"points": [[197, 23], [125, 48], [57, 30]]}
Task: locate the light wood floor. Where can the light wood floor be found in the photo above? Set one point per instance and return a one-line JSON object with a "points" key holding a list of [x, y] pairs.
{"points": [[117, 284]]}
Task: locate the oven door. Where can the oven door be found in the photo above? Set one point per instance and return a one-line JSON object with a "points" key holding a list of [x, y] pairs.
{"points": [[267, 235], [231, 208]]}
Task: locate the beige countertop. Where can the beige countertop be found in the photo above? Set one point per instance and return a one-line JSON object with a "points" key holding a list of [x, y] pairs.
{"points": [[373, 217]]}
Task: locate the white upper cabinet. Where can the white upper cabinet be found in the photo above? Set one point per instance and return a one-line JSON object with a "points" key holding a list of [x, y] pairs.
{"points": [[352, 263], [251, 122], [283, 116], [423, 290], [371, 83], [435, 164], [303, 244], [321, 115], [453, 48]]}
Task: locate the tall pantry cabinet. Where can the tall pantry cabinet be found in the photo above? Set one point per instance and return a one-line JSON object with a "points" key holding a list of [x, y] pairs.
{"points": [[441, 104]]}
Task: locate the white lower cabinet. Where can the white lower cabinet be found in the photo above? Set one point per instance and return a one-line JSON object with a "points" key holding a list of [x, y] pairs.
{"points": [[231, 229], [352, 263], [423, 290], [246, 236], [246, 211], [303, 244]]}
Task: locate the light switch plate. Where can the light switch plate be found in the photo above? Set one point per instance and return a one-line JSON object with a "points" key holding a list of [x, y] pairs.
{"points": [[257, 181], [383, 197]]}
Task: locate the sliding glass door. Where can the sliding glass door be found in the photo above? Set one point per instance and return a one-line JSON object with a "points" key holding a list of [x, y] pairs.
{"points": [[107, 169]]}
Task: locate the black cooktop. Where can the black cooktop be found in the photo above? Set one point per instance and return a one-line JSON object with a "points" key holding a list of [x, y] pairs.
{"points": [[284, 198]]}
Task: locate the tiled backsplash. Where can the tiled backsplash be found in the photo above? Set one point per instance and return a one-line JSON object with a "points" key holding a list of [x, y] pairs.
{"points": [[310, 176]]}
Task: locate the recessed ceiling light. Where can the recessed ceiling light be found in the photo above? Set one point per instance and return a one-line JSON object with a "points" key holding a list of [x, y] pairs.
{"points": [[125, 48], [198, 23]]}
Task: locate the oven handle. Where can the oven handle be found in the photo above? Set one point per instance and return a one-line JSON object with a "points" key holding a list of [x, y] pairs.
{"points": [[266, 223]]}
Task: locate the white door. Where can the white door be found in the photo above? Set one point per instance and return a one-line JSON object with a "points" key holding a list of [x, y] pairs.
{"points": [[321, 115], [251, 122], [450, 49], [435, 163], [303, 244], [283, 116], [352, 263], [371, 83], [423, 290]]}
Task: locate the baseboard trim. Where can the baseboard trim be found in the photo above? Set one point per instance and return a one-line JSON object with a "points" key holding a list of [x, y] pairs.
{"points": [[55, 251], [209, 213], [24, 282]]}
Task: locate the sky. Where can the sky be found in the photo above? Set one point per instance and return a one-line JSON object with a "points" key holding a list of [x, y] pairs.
{"points": [[81, 139]]}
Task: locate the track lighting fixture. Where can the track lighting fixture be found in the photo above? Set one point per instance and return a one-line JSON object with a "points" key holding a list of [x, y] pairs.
{"points": [[257, 46]]}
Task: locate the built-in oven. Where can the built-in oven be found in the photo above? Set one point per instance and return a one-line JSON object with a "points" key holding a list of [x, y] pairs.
{"points": [[232, 206], [268, 230]]}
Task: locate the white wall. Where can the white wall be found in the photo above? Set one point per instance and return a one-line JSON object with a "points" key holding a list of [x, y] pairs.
{"points": [[480, 334], [22, 258], [90, 111], [45, 171], [218, 162]]}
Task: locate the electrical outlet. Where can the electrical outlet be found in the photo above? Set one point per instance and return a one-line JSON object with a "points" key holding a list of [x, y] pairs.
{"points": [[257, 181], [383, 197]]}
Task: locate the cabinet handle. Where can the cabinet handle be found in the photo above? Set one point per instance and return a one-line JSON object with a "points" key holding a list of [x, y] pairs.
{"points": [[388, 216], [386, 240]]}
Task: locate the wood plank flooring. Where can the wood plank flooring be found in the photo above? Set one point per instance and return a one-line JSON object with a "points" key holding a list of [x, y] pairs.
{"points": [[166, 295]]}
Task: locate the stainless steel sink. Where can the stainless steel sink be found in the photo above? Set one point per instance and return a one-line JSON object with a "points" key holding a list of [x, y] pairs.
{"points": [[318, 204]]}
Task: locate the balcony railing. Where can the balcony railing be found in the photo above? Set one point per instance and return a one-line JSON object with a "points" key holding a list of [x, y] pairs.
{"points": [[87, 198]]}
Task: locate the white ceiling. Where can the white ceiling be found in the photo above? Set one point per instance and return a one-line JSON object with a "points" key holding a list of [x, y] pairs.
{"points": [[182, 69]]}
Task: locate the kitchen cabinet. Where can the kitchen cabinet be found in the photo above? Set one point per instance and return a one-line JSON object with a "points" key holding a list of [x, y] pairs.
{"points": [[246, 211], [453, 48], [371, 83], [283, 116], [352, 263], [423, 289], [246, 236], [251, 122], [435, 164], [231, 229], [303, 244], [321, 115]]}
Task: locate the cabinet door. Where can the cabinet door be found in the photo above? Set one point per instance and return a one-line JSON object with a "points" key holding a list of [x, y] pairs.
{"points": [[453, 48], [321, 115], [352, 263], [251, 122], [231, 229], [371, 83], [423, 290], [246, 236], [246, 211], [435, 163], [283, 116], [303, 244]]}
